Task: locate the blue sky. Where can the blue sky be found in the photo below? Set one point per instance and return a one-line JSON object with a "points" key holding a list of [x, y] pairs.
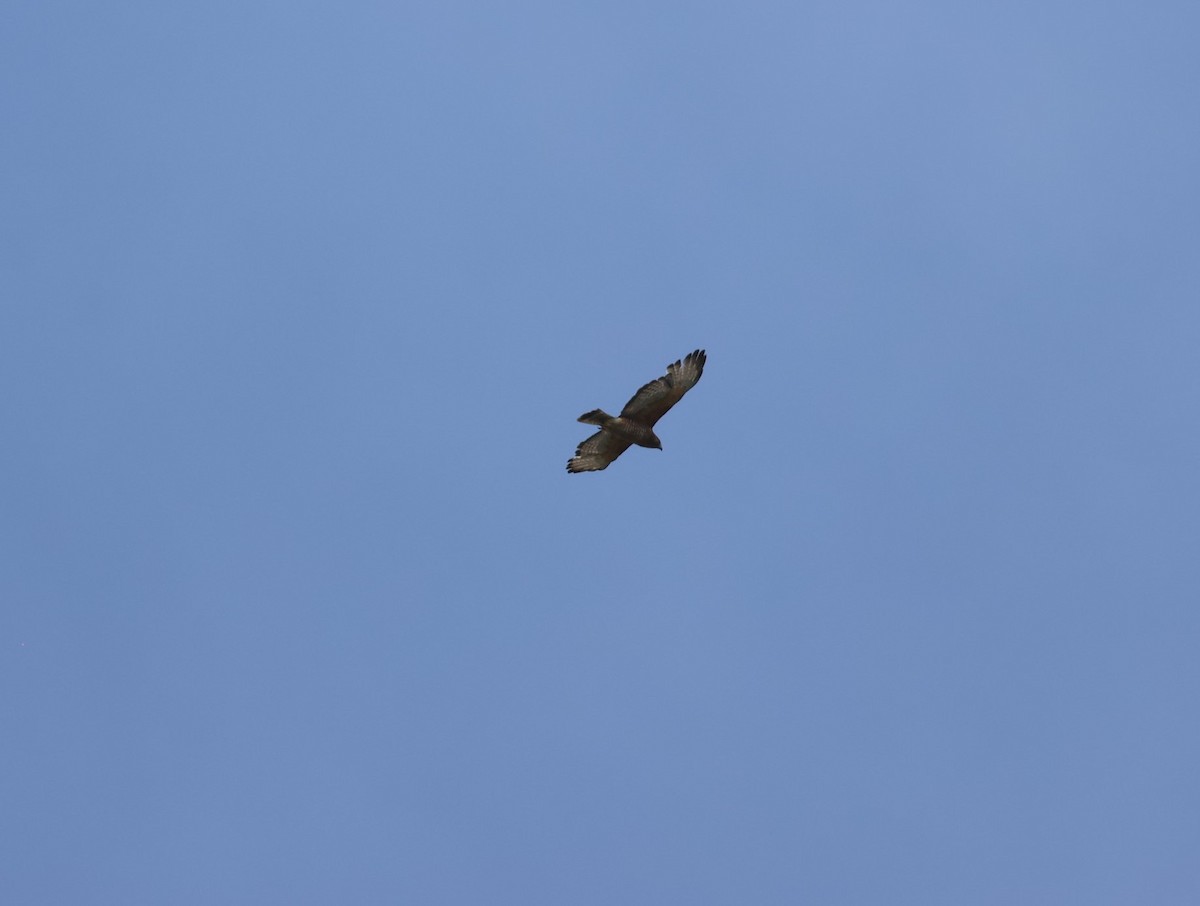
{"points": [[299, 304]]}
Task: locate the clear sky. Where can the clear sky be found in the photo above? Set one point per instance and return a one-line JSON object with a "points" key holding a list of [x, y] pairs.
{"points": [[299, 303]]}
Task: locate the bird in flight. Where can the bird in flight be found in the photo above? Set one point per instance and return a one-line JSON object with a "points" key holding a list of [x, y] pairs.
{"points": [[635, 424]]}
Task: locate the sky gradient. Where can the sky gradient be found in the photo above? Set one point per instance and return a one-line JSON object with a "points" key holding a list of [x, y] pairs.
{"points": [[299, 304]]}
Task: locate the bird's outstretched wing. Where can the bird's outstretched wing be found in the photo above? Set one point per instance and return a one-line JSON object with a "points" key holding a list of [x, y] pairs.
{"points": [[652, 402], [597, 452]]}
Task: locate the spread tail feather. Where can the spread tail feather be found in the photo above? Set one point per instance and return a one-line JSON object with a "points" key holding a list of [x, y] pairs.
{"points": [[596, 417]]}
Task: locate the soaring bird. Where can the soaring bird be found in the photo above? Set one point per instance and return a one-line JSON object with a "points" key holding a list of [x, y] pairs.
{"points": [[635, 424]]}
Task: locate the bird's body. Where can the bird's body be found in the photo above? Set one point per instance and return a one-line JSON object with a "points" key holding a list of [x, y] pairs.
{"points": [[626, 428], [635, 424]]}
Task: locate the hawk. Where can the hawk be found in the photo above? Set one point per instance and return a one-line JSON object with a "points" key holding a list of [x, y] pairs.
{"points": [[635, 424]]}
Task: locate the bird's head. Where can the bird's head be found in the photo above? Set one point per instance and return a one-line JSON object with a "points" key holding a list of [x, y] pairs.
{"points": [[657, 444]]}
